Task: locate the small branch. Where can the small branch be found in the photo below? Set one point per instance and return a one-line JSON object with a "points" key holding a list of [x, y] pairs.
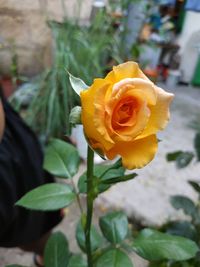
{"points": [[77, 196]]}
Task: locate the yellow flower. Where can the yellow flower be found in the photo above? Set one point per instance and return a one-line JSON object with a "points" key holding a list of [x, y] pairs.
{"points": [[122, 113]]}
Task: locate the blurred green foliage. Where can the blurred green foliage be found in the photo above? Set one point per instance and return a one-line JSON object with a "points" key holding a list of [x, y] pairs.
{"points": [[86, 51], [189, 228]]}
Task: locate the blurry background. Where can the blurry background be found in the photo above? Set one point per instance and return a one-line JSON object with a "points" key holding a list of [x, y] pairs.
{"points": [[41, 40], [24, 31], [23, 25]]}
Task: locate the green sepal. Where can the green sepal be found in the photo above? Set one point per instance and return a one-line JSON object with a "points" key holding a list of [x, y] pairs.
{"points": [[77, 84]]}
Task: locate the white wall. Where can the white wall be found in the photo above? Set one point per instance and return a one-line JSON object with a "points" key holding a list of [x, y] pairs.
{"points": [[189, 39]]}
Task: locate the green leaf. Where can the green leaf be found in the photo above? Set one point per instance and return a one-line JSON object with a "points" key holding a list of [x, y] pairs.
{"points": [[184, 203], [195, 186], [15, 265], [153, 245], [61, 159], [77, 84], [104, 172], [114, 258], [119, 179], [95, 237], [197, 145], [77, 261], [48, 197], [114, 226], [184, 159], [56, 251], [174, 155], [182, 228]]}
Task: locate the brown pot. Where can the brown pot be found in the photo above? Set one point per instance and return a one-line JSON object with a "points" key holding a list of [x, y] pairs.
{"points": [[8, 86]]}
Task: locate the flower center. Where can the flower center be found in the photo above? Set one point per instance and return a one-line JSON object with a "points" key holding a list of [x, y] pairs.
{"points": [[125, 112]]}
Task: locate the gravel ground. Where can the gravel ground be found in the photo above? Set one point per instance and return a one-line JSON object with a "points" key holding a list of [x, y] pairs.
{"points": [[147, 197]]}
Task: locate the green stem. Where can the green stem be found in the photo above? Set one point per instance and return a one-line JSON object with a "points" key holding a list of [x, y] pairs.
{"points": [[90, 200]]}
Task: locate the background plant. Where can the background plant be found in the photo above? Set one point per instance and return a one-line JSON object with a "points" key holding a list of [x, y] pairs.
{"points": [[189, 228], [86, 51]]}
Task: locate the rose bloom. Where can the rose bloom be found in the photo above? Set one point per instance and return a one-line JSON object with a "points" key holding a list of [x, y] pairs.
{"points": [[122, 113]]}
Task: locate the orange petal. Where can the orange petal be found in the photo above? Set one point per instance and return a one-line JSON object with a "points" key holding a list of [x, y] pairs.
{"points": [[88, 110], [159, 113], [129, 69], [136, 154], [131, 85], [145, 93], [129, 133], [99, 113]]}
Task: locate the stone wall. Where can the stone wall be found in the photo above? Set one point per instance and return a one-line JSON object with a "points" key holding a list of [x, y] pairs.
{"points": [[23, 25]]}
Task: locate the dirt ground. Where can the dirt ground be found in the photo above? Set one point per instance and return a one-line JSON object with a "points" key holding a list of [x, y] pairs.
{"points": [[147, 197]]}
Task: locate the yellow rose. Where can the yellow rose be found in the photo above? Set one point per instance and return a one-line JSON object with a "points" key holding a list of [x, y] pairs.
{"points": [[122, 113]]}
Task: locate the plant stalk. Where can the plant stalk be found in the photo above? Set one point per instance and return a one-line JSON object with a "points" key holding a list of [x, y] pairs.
{"points": [[90, 200]]}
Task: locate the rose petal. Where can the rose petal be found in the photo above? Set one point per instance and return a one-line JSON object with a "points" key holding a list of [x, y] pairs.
{"points": [[88, 110], [136, 154], [126, 70], [99, 113], [129, 133], [140, 89], [128, 85], [139, 121], [159, 113]]}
